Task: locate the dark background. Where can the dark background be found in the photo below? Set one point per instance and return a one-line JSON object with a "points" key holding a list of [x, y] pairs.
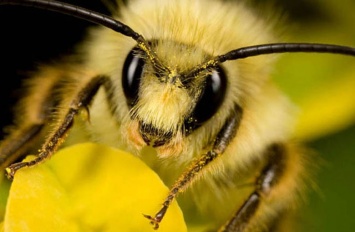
{"points": [[30, 36]]}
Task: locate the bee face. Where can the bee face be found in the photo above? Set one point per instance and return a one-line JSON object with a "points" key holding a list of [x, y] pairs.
{"points": [[167, 103]]}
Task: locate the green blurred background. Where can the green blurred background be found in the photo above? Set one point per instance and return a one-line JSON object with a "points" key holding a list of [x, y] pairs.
{"points": [[316, 83]]}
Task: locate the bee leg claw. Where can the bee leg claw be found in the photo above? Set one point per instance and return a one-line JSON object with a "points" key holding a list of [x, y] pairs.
{"points": [[12, 169], [10, 172], [158, 217], [153, 221]]}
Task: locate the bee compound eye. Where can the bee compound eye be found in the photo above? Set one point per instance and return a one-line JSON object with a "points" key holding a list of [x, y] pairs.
{"points": [[210, 99], [131, 75]]}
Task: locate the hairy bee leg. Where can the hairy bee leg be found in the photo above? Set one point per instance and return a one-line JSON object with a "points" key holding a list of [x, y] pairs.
{"points": [[20, 141], [16, 145], [224, 137], [267, 180], [82, 99]]}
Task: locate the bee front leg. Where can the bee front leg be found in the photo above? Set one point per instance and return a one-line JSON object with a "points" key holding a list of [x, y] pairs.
{"points": [[31, 118], [224, 137], [14, 146], [56, 138], [273, 196]]}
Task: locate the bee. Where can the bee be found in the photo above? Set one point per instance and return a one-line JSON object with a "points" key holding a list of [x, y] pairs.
{"points": [[186, 81]]}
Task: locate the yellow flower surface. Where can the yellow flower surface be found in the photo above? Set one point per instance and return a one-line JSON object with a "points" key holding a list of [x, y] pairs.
{"points": [[88, 187], [330, 108]]}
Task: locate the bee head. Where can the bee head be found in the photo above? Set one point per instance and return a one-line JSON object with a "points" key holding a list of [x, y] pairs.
{"points": [[164, 96]]}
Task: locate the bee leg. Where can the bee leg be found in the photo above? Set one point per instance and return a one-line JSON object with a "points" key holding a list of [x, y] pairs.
{"points": [[224, 137], [56, 138], [18, 142], [34, 115], [271, 177]]}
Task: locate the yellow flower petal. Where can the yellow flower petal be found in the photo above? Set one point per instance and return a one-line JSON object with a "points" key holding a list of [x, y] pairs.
{"points": [[323, 89], [331, 107], [88, 187]]}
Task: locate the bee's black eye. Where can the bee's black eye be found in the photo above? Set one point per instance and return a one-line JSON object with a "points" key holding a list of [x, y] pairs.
{"points": [[131, 75], [210, 99]]}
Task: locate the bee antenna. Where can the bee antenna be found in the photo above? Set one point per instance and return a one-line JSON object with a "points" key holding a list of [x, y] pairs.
{"points": [[79, 12], [264, 49]]}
